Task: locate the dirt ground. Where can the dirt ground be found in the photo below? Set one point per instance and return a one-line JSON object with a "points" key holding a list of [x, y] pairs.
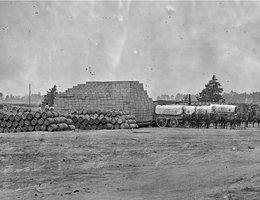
{"points": [[148, 163]]}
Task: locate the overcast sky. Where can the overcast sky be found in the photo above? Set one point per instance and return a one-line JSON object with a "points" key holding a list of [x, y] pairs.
{"points": [[171, 47]]}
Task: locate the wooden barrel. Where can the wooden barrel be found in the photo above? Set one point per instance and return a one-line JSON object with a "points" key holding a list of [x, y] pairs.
{"points": [[20, 110], [52, 127], [9, 124], [133, 126], [95, 116], [21, 123], [27, 122], [75, 119], [103, 120], [1, 129], [69, 116], [69, 121], [96, 121], [117, 126], [11, 117], [80, 112], [126, 112], [82, 126], [49, 114], [49, 121], [31, 128], [63, 119], [77, 125], [6, 117], [91, 121], [114, 114], [25, 128], [131, 121], [85, 121], [72, 127], [37, 127], [93, 127], [14, 110], [6, 130], [40, 121], [87, 127], [30, 116], [44, 115], [34, 121], [37, 115], [100, 127], [99, 112], [55, 113], [81, 119], [120, 121], [18, 129], [24, 115], [113, 120], [12, 130], [109, 126], [3, 124], [43, 127], [109, 113], [15, 124], [17, 117], [65, 126]]}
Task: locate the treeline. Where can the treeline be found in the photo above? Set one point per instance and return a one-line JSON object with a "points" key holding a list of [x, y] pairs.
{"points": [[232, 97], [177, 97], [16, 99]]}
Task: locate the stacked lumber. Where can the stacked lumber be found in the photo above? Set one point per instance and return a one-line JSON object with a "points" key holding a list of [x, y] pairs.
{"points": [[113, 95], [22, 120], [98, 120]]}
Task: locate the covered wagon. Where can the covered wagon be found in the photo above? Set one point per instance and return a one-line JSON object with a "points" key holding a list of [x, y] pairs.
{"points": [[224, 108], [204, 109], [168, 115]]}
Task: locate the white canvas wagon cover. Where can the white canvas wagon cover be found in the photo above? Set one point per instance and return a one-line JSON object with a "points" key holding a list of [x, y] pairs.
{"points": [[204, 109], [169, 109], [224, 108], [189, 109]]}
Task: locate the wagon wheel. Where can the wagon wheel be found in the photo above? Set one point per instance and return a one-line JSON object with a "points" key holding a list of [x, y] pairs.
{"points": [[161, 121], [173, 123]]}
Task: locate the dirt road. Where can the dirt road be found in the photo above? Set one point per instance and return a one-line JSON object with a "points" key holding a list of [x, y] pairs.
{"points": [[152, 163]]}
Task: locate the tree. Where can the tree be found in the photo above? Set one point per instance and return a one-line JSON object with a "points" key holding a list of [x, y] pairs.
{"points": [[50, 96], [212, 91]]}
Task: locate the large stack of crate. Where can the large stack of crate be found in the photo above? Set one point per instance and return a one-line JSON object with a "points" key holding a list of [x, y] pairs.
{"points": [[110, 96]]}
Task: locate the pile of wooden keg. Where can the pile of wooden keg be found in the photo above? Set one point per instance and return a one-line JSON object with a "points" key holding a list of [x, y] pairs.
{"points": [[98, 120], [25, 120]]}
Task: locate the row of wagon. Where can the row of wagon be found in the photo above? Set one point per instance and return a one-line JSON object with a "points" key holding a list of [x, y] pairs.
{"points": [[172, 114]]}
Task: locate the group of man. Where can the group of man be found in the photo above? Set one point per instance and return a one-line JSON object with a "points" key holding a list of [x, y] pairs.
{"points": [[46, 108], [218, 120]]}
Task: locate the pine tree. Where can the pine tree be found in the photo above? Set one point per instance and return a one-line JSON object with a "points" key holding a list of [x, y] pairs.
{"points": [[50, 96], [211, 92]]}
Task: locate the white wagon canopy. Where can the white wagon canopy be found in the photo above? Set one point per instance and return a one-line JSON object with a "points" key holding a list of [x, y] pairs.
{"points": [[189, 110], [204, 109], [169, 110], [224, 108]]}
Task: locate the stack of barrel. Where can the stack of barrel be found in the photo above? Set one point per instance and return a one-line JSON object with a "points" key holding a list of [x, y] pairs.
{"points": [[98, 120], [25, 120]]}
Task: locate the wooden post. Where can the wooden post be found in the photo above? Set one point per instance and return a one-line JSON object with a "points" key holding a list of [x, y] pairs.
{"points": [[29, 93]]}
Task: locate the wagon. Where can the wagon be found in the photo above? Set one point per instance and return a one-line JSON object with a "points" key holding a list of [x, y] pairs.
{"points": [[168, 115]]}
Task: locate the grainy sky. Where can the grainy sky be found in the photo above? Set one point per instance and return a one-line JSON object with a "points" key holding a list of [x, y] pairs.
{"points": [[171, 47]]}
